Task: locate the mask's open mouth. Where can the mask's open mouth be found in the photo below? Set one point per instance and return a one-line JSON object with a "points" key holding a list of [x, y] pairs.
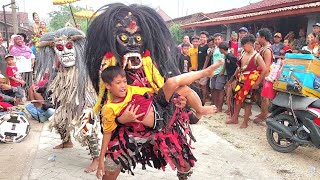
{"points": [[133, 60]]}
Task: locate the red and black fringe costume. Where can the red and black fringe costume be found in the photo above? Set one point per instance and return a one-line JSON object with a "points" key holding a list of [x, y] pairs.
{"points": [[161, 146]]}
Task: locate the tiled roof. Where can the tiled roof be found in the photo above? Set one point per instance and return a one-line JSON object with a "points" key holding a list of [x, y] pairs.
{"points": [[197, 17], [218, 14], [189, 19], [267, 5], [163, 14], [260, 14]]}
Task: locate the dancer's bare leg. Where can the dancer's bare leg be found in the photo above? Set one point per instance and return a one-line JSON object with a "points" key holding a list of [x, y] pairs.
{"points": [[247, 114], [219, 99], [178, 84], [194, 101], [111, 175], [234, 118], [264, 110], [93, 145]]}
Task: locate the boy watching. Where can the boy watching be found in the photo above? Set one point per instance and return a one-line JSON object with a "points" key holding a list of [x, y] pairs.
{"points": [[184, 59], [193, 53], [218, 81], [15, 77], [230, 66]]}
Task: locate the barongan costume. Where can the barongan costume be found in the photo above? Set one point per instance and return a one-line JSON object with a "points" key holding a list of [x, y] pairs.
{"points": [[136, 38], [61, 53]]}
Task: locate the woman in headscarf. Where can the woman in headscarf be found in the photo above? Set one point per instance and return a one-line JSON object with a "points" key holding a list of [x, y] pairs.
{"points": [[20, 49]]}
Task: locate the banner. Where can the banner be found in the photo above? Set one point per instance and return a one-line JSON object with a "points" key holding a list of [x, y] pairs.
{"points": [[23, 64]]}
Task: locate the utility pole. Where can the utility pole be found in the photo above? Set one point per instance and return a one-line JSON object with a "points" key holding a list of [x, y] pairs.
{"points": [[14, 16]]}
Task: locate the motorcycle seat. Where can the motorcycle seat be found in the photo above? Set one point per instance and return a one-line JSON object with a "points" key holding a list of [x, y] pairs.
{"points": [[316, 104]]}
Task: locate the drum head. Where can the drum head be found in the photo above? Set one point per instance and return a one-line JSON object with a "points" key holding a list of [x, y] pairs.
{"points": [[14, 127]]}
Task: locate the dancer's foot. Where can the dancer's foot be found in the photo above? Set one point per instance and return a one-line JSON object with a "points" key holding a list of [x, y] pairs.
{"points": [[206, 110], [232, 121], [227, 112], [260, 119], [244, 125], [93, 166], [213, 67], [64, 145]]}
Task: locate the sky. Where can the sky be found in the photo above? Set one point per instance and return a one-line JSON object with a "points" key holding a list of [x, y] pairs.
{"points": [[174, 8]]}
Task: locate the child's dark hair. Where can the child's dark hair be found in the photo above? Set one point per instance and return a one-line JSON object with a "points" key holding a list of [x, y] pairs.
{"points": [[224, 45], [266, 33], [185, 45], [195, 37], [205, 33], [248, 38], [210, 39], [217, 35], [34, 14], [108, 74]]}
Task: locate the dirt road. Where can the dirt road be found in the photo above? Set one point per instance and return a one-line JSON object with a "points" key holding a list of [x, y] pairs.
{"points": [[15, 158], [303, 163]]}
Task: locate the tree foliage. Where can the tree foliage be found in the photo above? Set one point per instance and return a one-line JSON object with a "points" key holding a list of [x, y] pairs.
{"points": [[177, 33], [59, 18]]}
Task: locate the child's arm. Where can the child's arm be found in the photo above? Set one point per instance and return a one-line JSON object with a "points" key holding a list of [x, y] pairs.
{"points": [[104, 148], [207, 61], [17, 80]]}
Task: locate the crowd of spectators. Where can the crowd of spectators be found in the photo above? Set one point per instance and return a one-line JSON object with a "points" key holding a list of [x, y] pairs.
{"points": [[263, 48], [17, 83]]}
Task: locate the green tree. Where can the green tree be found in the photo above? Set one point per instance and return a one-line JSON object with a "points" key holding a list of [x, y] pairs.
{"points": [[58, 19], [177, 33]]}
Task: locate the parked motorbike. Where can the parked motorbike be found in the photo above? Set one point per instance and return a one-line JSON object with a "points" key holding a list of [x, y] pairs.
{"points": [[294, 121]]}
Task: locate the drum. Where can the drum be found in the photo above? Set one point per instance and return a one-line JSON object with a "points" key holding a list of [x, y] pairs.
{"points": [[14, 126]]}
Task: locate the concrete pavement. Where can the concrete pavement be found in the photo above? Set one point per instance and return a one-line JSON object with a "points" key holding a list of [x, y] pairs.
{"points": [[217, 159]]}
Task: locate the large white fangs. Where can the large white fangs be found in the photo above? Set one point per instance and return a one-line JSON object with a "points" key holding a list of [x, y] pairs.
{"points": [[127, 61]]}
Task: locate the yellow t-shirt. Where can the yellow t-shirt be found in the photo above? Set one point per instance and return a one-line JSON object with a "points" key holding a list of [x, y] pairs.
{"points": [[111, 110], [193, 53]]}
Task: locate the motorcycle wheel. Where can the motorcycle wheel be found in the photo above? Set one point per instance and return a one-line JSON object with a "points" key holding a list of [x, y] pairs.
{"points": [[278, 143]]}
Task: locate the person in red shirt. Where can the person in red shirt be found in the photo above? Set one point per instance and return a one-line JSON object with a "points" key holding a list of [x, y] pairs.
{"points": [[12, 72], [234, 44], [15, 77]]}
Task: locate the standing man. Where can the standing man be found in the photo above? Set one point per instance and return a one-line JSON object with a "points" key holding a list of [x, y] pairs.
{"points": [[218, 81], [234, 44], [267, 93], [202, 54], [277, 46], [316, 28], [243, 31], [193, 53], [3, 52]]}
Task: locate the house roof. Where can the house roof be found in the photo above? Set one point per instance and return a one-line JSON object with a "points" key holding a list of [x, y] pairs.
{"points": [[267, 5], [189, 19], [257, 15], [163, 14], [10, 25], [197, 17]]}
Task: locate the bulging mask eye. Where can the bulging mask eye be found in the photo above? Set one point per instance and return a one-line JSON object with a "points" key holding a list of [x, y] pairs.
{"points": [[138, 38], [59, 47], [69, 45], [123, 37]]}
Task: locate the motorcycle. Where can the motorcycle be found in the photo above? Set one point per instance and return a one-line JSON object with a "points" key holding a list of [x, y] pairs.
{"points": [[294, 121]]}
